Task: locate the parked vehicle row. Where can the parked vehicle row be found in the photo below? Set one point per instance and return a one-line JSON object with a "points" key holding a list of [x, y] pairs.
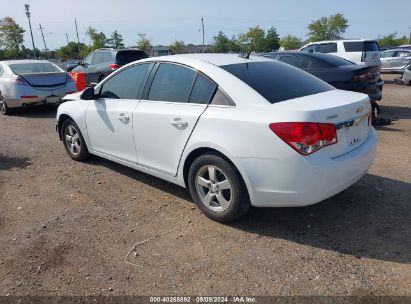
{"points": [[30, 82], [338, 72], [236, 131], [100, 63], [359, 51]]}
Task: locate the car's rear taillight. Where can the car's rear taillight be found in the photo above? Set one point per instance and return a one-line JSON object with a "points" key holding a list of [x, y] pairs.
{"points": [[306, 137], [71, 92], [28, 96], [17, 79], [114, 66], [365, 76]]}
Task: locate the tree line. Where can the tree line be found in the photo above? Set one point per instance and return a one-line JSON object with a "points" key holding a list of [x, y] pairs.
{"points": [[255, 39]]}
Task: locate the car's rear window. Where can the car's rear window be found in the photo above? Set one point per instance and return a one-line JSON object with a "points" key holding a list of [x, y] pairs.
{"points": [[361, 46], [276, 81], [124, 57], [38, 67], [334, 60]]}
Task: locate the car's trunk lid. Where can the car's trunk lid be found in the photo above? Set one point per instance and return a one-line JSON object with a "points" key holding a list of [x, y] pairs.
{"points": [[45, 79], [348, 111]]}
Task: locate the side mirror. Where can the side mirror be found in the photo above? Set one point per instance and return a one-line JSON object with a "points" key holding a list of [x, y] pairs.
{"points": [[88, 94]]}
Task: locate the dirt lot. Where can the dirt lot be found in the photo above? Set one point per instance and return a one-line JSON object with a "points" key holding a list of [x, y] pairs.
{"points": [[70, 228]]}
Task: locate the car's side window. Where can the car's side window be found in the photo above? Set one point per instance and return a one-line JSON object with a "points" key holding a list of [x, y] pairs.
{"points": [[97, 58], [402, 54], [88, 59], [203, 90], [172, 83], [127, 83], [292, 60], [221, 99], [305, 63], [309, 48], [327, 48], [107, 57], [387, 54]]}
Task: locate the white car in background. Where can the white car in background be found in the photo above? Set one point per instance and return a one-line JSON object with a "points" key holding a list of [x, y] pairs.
{"points": [[359, 51], [31, 82], [236, 131], [395, 60]]}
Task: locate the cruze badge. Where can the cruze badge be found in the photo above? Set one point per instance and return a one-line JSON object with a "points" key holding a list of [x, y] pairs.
{"points": [[360, 109]]}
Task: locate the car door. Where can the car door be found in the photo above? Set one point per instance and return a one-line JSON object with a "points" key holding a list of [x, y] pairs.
{"points": [[167, 115], [386, 59], [109, 118], [400, 60]]}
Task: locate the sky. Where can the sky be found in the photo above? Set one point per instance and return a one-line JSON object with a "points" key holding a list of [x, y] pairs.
{"points": [[165, 21]]}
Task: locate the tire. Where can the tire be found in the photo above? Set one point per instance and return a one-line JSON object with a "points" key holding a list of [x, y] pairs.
{"points": [[207, 176], [4, 109], [376, 111], [73, 141]]}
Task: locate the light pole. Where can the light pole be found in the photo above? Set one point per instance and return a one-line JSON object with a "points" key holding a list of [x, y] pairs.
{"points": [[27, 6], [202, 26]]}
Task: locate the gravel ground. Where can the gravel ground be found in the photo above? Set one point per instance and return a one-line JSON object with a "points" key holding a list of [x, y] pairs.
{"points": [[99, 228]]}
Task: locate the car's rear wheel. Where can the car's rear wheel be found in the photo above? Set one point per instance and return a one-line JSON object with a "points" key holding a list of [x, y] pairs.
{"points": [[217, 188], [4, 109], [73, 141], [376, 111]]}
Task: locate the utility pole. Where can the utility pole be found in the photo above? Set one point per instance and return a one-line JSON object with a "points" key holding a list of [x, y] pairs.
{"points": [[78, 40], [409, 39], [202, 25], [27, 6], [67, 38], [44, 40]]}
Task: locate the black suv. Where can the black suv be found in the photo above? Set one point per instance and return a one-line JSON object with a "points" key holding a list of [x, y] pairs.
{"points": [[102, 62]]}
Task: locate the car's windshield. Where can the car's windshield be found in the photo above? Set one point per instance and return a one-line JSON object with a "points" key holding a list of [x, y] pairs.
{"points": [[36, 67], [277, 81]]}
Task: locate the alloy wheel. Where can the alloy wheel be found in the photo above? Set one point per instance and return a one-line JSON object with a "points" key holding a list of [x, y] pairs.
{"points": [[214, 188], [72, 138]]}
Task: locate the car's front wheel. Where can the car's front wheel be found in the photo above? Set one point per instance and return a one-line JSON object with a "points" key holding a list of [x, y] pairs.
{"points": [[73, 141], [217, 188]]}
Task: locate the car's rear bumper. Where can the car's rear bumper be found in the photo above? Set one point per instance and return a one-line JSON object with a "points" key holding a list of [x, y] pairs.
{"points": [[302, 181], [373, 90], [18, 103]]}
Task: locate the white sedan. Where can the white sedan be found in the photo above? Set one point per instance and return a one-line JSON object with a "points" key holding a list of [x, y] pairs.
{"points": [[236, 131]]}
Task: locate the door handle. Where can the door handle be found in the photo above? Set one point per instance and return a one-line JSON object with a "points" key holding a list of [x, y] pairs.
{"points": [[123, 117], [178, 123]]}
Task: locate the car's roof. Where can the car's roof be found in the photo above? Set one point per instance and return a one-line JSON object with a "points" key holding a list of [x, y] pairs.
{"points": [[20, 61], [343, 40], [215, 59], [397, 49], [119, 50], [303, 53]]}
